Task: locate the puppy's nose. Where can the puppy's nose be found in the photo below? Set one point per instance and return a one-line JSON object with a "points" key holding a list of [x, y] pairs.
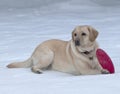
{"points": [[77, 43]]}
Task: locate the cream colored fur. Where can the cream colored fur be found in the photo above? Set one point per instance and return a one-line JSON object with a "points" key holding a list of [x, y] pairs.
{"points": [[77, 56]]}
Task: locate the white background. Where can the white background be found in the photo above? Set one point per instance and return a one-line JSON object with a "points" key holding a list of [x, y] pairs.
{"points": [[24, 24]]}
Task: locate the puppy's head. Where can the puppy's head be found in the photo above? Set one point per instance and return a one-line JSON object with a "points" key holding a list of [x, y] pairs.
{"points": [[84, 35]]}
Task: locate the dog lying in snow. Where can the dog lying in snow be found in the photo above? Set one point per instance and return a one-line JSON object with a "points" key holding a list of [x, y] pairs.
{"points": [[77, 56]]}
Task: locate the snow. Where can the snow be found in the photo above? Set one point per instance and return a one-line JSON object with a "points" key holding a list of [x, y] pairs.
{"points": [[24, 24]]}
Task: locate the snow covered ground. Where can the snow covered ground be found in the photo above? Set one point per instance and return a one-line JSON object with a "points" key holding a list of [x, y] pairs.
{"points": [[26, 23]]}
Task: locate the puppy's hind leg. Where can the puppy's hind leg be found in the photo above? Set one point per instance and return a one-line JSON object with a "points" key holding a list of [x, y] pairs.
{"points": [[42, 61]]}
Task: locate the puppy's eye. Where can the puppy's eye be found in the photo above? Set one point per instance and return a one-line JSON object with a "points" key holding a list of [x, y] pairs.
{"points": [[83, 34], [75, 34]]}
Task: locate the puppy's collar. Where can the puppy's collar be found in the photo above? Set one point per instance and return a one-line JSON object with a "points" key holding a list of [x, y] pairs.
{"points": [[88, 54]]}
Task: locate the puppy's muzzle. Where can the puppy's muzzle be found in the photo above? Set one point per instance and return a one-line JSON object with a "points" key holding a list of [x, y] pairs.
{"points": [[77, 43]]}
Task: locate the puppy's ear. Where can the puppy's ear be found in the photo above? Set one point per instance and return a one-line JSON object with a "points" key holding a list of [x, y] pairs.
{"points": [[93, 33]]}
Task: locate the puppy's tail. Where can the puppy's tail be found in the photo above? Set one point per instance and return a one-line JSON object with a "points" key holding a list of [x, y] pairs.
{"points": [[26, 64]]}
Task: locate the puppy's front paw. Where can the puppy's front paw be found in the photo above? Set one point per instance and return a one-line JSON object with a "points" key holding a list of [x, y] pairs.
{"points": [[104, 71]]}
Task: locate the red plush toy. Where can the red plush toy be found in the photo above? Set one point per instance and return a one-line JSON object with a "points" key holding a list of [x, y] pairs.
{"points": [[105, 60]]}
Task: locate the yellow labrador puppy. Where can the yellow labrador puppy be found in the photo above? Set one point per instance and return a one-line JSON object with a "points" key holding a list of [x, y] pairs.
{"points": [[77, 56]]}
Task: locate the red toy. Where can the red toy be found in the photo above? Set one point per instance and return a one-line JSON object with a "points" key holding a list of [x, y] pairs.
{"points": [[105, 60]]}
